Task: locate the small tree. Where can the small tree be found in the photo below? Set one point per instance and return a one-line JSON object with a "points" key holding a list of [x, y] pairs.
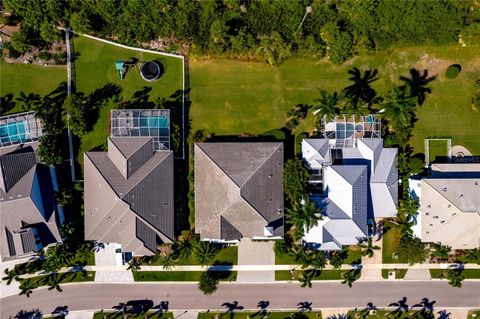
{"points": [[368, 248], [167, 260], [48, 32], [48, 149], [11, 275], [307, 276], [208, 283], [350, 277], [134, 265], [205, 252], [412, 249], [73, 115], [455, 277], [295, 178], [19, 41], [441, 252]]}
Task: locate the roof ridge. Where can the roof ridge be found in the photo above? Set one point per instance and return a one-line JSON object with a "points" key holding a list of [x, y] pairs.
{"points": [[261, 165], [436, 190], [112, 138], [219, 167]]}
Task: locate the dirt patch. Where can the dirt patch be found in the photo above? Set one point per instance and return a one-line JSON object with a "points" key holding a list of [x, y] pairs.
{"points": [[433, 65]]}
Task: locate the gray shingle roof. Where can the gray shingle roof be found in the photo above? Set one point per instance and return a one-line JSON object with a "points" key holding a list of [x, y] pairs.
{"points": [[228, 231], [148, 191], [253, 174], [14, 166]]}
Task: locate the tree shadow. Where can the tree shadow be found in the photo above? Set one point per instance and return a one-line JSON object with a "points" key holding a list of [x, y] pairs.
{"points": [[231, 307], [416, 84], [263, 305], [60, 311], [6, 103], [28, 314], [400, 307], [304, 306], [95, 101]]}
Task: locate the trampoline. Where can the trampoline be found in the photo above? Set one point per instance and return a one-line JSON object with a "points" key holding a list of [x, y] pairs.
{"points": [[150, 71]]}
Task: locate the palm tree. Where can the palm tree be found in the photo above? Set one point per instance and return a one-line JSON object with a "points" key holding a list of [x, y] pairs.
{"points": [[416, 83], [367, 249], [304, 215], [27, 287], [360, 89], [399, 107], [273, 49], [302, 257], [11, 275], [327, 104], [403, 222], [441, 252], [318, 259], [455, 277], [350, 277], [205, 252], [29, 102], [473, 255], [183, 248], [307, 276], [134, 265], [167, 260], [53, 282]]}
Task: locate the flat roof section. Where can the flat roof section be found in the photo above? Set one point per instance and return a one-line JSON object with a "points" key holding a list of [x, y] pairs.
{"points": [[142, 123], [20, 128]]}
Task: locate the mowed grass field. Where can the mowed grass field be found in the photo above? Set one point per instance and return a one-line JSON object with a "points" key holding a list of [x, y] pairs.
{"points": [[29, 78], [232, 97], [95, 68]]}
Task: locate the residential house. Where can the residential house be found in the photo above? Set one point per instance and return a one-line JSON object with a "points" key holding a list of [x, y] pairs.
{"points": [[239, 191]]}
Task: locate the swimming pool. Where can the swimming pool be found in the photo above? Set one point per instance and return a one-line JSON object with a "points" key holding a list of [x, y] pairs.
{"points": [[13, 133], [154, 122], [344, 130]]}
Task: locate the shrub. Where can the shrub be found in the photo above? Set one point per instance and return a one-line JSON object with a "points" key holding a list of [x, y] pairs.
{"points": [[416, 165], [208, 283], [453, 71], [44, 55]]}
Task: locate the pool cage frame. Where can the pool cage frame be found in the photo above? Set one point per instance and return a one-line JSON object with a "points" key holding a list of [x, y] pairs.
{"points": [[362, 126], [33, 128], [127, 123]]}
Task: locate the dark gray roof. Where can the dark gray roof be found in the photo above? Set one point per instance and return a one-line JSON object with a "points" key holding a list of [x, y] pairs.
{"points": [[15, 166], [332, 211], [146, 234], [351, 173], [28, 241], [148, 190], [228, 231], [239, 161], [257, 168]]}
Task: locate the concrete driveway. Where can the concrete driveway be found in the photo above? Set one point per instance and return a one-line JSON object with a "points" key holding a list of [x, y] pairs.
{"points": [[251, 252]]}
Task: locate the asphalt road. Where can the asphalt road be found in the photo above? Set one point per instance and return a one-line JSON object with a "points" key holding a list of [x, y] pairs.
{"points": [[279, 296]]}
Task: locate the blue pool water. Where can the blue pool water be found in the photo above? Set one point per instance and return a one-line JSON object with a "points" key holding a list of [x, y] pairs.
{"points": [[344, 130], [14, 132], [154, 122]]}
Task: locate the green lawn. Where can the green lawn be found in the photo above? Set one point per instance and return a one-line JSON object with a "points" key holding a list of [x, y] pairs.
{"points": [[475, 312], [95, 68], [247, 315], [467, 273], [29, 78], [399, 273], [438, 150], [180, 275], [66, 278], [117, 315], [324, 275], [380, 314], [390, 242], [231, 97]]}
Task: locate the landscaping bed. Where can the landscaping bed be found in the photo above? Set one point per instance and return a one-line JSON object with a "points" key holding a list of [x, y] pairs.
{"points": [[259, 314], [119, 315], [324, 275], [467, 273], [399, 273], [180, 275], [65, 277]]}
